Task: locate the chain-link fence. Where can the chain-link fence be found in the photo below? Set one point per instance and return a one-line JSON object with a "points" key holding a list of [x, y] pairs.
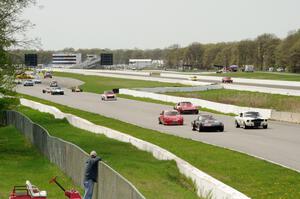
{"points": [[71, 159]]}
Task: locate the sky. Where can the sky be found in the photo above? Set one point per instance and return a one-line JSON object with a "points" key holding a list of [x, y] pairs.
{"points": [[149, 24]]}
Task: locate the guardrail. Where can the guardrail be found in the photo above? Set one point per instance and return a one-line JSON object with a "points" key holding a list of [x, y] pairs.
{"points": [[180, 89], [71, 159]]}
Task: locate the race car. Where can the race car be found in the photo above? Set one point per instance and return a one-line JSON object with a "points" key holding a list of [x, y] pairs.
{"points": [[227, 80], [207, 123], [171, 117], [48, 75], [46, 90], [57, 91], [186, 107], [37, 81], [251, 119], [28, 83], [18, 81], [193, 78], [53, 84], [76, 89], [108, 95]]}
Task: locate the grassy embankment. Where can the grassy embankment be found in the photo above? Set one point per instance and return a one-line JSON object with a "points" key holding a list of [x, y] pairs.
{"points": [[256, 178], [155, 179], [261, 75], [20, 161], [247, 98], [98, 84]]}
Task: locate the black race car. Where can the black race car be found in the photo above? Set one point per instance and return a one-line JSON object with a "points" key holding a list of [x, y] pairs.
{"points": [[207, 123]]}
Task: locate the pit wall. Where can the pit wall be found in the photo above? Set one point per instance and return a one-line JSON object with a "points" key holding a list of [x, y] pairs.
{"points": [[205, 184], [71, 159], [286, 116], [180, 89], [224, 108]]}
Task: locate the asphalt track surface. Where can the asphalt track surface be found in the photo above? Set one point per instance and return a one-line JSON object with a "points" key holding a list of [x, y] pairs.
{"points": [[280, 143]]}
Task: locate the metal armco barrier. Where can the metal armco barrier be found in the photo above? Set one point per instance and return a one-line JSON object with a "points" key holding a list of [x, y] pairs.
{"points": [[71, 159]]}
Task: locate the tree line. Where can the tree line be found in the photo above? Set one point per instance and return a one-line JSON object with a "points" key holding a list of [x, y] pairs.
{"points": [[267, 50]]}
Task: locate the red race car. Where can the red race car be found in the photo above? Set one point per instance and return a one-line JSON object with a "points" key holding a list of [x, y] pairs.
{"points": [[172, 117], [186, 107], [227, 80]]}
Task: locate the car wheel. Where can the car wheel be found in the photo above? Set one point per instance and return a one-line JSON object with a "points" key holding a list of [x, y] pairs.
{"points": [[200, 128], [44, 91], [245, 126], [197, 112], [194, 128], [159, 122], [221, 129], [265, 126], [237, 124]]}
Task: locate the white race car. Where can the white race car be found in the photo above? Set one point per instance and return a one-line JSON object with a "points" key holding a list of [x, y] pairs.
{"points": [[250, 119], [28, 83], [37, 81], [57, 91], [108, 95]]}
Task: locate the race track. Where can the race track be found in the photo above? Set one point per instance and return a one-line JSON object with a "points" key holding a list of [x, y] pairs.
{"points": [[280, 143]]}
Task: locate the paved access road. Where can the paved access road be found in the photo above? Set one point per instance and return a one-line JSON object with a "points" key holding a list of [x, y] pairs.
{"points": [[280, 143]]}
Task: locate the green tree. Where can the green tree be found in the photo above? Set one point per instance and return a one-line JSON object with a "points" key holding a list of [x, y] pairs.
{"points": [[10, 26]]}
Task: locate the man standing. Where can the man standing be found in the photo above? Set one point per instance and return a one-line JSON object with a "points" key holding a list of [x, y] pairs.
{"points": [[91, 174]]}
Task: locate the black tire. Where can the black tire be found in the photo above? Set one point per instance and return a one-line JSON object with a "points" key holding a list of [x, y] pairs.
{"points": [[197, 112], [237, 124], [221, 129], [200, 128], [265, 126], [194, 128], [44, 91], [245, 126], [159, 122]]}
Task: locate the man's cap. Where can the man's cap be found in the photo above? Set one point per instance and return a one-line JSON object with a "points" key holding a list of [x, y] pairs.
{"points": [[93, 153]]}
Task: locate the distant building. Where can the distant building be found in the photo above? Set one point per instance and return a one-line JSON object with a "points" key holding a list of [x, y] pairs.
{"points": [[158, 63], [142, 63], [65, 60]]}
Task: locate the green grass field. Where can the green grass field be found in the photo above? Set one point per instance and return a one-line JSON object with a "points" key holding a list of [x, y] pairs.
{"points": [[254, 177], [97, 84], [261, 75], [20, 161], [155, 179], [247, 98]]}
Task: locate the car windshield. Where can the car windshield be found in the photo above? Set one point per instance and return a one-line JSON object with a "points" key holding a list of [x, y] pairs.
{"points": [[252, 114], [185, 103], [171, 113], [109, 92], [206, 117]]}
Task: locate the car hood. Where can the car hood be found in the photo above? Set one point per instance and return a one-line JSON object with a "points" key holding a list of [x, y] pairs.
{"points": [[173, 117], [253, 118], [188, 107]]}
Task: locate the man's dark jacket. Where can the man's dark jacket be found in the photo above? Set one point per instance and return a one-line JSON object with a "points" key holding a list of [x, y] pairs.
{"points": [[91, 169]]}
